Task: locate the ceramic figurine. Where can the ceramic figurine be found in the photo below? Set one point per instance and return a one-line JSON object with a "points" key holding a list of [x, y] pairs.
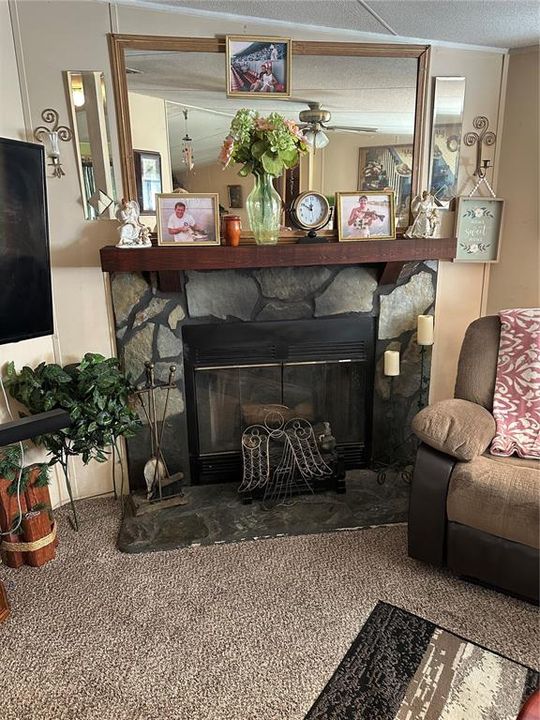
{"points": [[133, 233], [426, 216]]}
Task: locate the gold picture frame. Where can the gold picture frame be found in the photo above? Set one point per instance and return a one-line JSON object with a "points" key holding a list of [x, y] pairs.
{"points": [[365, 217], [200, 214], [252, 70]]}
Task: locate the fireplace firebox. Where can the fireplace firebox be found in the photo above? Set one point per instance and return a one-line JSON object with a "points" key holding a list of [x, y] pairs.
{"points": [[321, 369]]}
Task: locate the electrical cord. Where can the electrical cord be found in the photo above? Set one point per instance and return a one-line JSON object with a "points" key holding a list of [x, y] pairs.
{"points": [[19, 479]]}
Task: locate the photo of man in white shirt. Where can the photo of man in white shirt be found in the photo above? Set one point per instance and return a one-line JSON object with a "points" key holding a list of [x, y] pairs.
{"points": [[181, 224]]}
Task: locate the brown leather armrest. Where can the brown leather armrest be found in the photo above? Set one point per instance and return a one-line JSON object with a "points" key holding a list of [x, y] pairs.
{"points": [[427, 505]]}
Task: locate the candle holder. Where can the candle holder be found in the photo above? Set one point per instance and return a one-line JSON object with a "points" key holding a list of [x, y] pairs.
{"points": [[424, 379], [50, 137], [383, 467]]}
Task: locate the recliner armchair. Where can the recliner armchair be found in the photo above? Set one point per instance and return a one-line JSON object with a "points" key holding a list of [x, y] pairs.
{"points": [[476, 513]]}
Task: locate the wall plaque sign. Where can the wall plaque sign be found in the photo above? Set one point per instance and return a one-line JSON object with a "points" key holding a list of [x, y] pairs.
{"points": [[478, 229]]}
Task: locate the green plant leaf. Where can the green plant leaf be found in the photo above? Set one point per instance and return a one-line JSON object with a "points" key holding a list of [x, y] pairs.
{"points": [[289, 156], [246, 169], [272, 164], [258, 149]]}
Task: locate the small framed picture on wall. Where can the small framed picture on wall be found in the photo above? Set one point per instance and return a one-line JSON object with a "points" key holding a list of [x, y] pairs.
{"points": [[188, 219], [235, 199], [258, 66], [367, 215], [478, 229]]}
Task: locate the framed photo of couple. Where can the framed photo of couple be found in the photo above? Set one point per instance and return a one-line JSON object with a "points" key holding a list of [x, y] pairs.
{"points": [[187, 219], [258, 66], [366, 215]]}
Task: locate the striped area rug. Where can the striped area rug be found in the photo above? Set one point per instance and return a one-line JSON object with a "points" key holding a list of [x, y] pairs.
{"points": [[402, 667]]}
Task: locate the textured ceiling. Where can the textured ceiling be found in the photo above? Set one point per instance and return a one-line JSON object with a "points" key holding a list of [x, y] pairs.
{"points": [[495, 23]]}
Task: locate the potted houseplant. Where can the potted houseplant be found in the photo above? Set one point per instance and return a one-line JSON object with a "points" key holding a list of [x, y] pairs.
{"points": [[265, 147], [94, 392]]}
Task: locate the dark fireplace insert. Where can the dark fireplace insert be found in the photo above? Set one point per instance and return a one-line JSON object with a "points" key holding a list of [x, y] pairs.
{"points": [[321, 369]]}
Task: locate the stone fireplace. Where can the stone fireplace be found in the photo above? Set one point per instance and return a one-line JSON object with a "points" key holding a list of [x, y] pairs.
{"points": [[307, 337]]}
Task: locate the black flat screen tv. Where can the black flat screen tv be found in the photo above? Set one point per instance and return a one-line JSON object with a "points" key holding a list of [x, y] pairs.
{"points": [[25, 268]]}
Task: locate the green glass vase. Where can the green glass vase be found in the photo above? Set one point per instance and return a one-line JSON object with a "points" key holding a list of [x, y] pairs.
{"points": [[263, 207]]}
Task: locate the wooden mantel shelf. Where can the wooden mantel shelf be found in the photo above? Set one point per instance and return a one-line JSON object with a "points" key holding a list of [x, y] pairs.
{"points": [[167, 259]]}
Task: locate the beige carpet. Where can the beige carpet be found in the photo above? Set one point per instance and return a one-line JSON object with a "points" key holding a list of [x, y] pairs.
{"points": [[251, 631]]}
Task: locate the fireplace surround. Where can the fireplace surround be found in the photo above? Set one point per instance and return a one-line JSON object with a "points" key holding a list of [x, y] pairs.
{"points": [[155, 325]]}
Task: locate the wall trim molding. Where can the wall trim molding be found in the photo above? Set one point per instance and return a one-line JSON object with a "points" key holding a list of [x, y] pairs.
{"points": [[352, 35]]}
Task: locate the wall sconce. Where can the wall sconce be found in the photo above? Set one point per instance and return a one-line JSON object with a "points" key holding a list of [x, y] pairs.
{"points": [[484, 137], [50, 137]]}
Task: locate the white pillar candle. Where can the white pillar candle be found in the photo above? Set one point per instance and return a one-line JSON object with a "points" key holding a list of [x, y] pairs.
{"points": [[424, 330], [391, 363]]}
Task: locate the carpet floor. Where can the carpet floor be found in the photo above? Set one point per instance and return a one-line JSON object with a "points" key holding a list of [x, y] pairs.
{"points": [[248, 631]]}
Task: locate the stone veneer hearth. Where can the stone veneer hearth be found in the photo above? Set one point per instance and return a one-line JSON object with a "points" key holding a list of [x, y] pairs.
{"points": [[149, 326]]}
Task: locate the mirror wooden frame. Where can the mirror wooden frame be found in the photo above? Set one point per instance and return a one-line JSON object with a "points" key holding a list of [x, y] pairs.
{"points": [[119, 43]]}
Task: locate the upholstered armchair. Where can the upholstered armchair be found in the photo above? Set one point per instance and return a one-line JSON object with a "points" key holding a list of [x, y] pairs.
{"points": [[476, 513]]}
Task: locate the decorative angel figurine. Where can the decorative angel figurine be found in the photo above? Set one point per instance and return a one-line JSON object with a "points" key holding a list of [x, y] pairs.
{"points": [[132, 231], [426, 216]]}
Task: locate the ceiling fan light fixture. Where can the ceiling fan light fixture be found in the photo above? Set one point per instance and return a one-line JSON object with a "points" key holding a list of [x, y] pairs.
{"points": [[316, 139]]}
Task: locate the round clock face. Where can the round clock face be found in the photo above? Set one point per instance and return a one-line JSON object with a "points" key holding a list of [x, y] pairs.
{"points": [[310, 210]]}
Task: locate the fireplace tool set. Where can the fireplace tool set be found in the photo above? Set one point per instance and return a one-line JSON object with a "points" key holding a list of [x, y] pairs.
{"points": [[281, 458], [160, 484]]}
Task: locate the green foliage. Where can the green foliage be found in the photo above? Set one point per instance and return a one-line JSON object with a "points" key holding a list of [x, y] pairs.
{"points": [[10, 469], [263, 145], [10, 462], [94, 392]]}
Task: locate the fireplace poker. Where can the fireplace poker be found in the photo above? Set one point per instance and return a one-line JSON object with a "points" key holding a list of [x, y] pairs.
{"points": [[172, 372]]}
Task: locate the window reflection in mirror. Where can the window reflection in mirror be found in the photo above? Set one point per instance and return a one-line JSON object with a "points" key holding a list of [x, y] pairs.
{"points": [[370, 132], [448, 100], [88, 101]]}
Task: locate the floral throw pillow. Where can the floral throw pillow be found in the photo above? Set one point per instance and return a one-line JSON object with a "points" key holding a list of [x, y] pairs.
{"points": [[516, 402]]}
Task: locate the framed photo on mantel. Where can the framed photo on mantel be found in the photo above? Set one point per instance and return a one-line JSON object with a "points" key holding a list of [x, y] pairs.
{"points": [[365, 215], [188, 219], [478, 229]]}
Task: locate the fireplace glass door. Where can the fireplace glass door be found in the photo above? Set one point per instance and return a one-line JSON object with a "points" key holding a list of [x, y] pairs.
{"points": [[228, 399]]}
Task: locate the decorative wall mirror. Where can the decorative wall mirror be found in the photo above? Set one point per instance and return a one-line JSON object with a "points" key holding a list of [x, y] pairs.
{"points": [[448, 101], [171, 99], [88, 103]]}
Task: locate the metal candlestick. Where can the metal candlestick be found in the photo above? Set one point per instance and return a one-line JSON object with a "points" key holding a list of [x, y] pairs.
{"points": [[424, 384], [382, 467]]}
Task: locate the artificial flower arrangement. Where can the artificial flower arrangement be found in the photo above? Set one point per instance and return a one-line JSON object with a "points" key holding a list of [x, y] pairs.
{"points": [[263, 145]]}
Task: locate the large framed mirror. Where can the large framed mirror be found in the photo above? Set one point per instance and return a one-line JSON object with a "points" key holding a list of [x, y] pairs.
{"points": [[171, 99]]}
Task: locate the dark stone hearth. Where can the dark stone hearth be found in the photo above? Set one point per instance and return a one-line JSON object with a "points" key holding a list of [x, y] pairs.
{"points": [[291, 283], [276, 310], [221, 294], [149, 327], [351, 290], [214, 513]]}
